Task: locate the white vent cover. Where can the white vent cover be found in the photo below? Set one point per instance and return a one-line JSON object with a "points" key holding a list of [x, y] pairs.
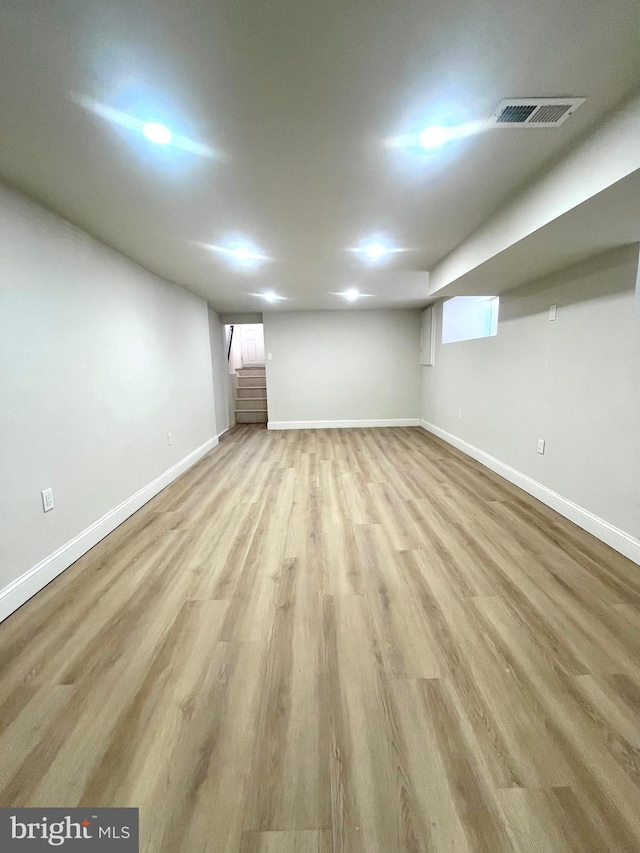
{"points": [[533, 112]]}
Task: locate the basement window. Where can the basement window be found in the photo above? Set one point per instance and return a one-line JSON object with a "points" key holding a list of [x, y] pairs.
{"points": [[465, 318]]}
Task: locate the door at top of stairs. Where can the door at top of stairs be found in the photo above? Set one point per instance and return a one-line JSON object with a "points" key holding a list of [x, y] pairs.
{"points": [[252, 345]]}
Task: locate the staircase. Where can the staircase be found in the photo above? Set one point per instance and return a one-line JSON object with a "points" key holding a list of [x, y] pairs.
{"points": [[251, 396]]}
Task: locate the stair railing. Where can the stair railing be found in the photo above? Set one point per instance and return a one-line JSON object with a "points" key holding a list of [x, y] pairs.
{"points": [[230, 342]]}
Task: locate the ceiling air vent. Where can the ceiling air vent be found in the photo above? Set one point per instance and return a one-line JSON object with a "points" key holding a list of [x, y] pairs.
{"points": [[533, 112]]}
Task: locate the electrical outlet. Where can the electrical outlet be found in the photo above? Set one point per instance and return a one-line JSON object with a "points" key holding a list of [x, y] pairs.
{"points": [[553, 310], [541, 445], [47, 499], [269, 356], [169, 439], [460, 415]]}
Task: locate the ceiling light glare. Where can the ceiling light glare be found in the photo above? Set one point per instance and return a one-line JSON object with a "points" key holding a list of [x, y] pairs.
{"points": [[433, 137], [270, 296], [436, 135], [241, 254], [351, 294], [157, 133], [375, 251]]}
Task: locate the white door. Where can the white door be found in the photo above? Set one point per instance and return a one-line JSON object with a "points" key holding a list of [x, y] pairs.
{"points": [[253, 346]]}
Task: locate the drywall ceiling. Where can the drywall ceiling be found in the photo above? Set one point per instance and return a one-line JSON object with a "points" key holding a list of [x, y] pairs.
{"points": [[605, 221], [295, 100]]}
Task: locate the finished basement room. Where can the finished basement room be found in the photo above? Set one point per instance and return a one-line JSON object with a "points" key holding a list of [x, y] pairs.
{"points": [[320, 426]]}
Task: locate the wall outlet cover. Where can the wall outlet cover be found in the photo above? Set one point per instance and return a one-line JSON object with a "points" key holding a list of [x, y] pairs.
{"points": [[47, 499], [553, 311], [541, 445]]}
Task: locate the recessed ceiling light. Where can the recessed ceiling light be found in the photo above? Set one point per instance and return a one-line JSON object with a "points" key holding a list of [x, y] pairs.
{"points": [[351, 294], [241, 254], [270, 296], [433, 137], [157, 133], [375, 250]]}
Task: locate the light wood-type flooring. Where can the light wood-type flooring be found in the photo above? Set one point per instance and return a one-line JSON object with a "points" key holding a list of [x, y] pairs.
{"points": [[328, 641]]}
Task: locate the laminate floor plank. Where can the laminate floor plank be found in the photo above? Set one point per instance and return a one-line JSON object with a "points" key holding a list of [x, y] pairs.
{"points": [[599, 777], [545, 820], [302, 841], [335, 641]]}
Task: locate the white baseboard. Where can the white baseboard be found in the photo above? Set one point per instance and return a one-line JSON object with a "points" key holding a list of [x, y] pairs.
{"points": [[27, 585], [396, 422], [623, 542]]}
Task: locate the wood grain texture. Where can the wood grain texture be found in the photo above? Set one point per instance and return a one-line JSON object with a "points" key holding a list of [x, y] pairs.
{"points": [[340, 641]]}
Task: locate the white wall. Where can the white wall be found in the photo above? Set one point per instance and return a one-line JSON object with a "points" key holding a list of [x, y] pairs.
{"points": [[99, 360], [574, 382], [220, 371], [351, 365]]}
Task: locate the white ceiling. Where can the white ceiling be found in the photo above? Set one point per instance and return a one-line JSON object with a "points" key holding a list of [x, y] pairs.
{"points": [[297, 98]]}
